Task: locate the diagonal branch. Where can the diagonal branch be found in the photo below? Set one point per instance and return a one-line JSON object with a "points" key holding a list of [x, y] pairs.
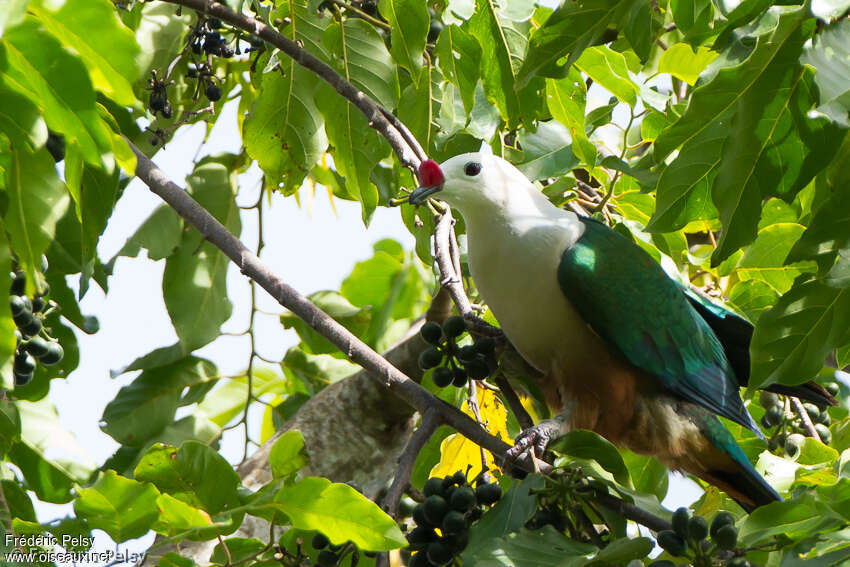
{"points": [[408, 150]]}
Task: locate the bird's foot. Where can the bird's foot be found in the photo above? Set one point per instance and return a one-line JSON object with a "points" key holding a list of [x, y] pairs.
{"points": [[536, 439], [479, 326]]}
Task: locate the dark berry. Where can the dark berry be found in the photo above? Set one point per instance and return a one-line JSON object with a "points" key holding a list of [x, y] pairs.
{"points": [[429, 358], [435, 509], [768, 399], [431, 332], [212, 92], [319, 541], [680, 520], [192, 71], [32, 328], [459, 478], [24, 363], [453, 523], [671, 543], [457, 542], [18, 304], [433, 485], [720, 520], [697, 528], [485, 345], [823, 433], [454, 326], [37, 347], [466, 354], [38, 304], [488, 493], [53, 355], [833, 388], [418, 516], [439, 553], [726, 537], [420, 536], [460, 378], [812, 410], [19, 283], [442, 376], [22, 379], [477, 369], [157, 101], [462, 499], [419, 560], [434, 30]]}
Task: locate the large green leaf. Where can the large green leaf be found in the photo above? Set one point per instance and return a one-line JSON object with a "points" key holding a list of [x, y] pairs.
{"points": [[10, 425], [459, 57], [792, 339], [194, 474], [111, 54], [829, 55], [355, 319], [35, 64], [682, 62], [284, 131], [122, 507], [548, 152], [502, 47], [694, 18], [37, 199], [827, 233], [608, 68], [194, 283], [588, 445], [339, 512], [160, 34], [8, 342], [359, 53], [303, 21], [149, 403], [764, 259], [11, 13], [409, 22], [572, 28], [20, 120], [544, 548]]}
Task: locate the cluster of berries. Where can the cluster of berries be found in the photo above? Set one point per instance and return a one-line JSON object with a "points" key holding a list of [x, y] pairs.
{"points": [[688, 538], [28, 315], [158, 101], [443, 519], [476, 361], [790, 431], [331, 555]]}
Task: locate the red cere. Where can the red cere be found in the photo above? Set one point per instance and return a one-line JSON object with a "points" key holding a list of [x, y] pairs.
{"points": [[430, 174]]}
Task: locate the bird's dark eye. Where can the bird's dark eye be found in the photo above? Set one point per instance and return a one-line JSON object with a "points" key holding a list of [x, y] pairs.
{"points": [[472, 168]]}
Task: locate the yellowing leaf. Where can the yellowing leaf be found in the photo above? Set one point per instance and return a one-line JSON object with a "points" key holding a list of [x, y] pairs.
{"points": [[459, 453]]}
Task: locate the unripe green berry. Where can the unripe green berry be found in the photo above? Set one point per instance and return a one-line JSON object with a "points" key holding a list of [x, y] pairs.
{"points": [[726, 537], [680, 520], [697, 528], [671, 543]]}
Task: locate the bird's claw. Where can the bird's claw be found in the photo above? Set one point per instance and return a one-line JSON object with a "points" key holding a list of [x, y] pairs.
{"points": [[535, 439]]}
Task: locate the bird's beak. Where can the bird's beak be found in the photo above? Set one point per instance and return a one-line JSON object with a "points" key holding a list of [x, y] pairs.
{"points": [[421, 194]]}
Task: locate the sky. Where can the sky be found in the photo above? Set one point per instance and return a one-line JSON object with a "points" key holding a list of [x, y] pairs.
{"points": [[311, 247]]}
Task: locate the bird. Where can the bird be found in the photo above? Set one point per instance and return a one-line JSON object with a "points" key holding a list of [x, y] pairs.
{"points": [[624, 350]]}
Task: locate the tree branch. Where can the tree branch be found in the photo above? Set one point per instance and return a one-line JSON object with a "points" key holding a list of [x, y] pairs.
{"points": [[408, 150]]}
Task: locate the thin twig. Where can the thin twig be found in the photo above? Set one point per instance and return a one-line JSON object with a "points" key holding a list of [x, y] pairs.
{"points": [[513, 401], [804, 417], [430, 422], [442, 254], [632, 512]]}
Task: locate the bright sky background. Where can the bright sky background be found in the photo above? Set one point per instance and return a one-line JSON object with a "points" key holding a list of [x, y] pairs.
{"points": [[310, 247]]}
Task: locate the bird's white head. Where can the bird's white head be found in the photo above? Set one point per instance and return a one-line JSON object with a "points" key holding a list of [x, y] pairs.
{"points": [[473, 181]]}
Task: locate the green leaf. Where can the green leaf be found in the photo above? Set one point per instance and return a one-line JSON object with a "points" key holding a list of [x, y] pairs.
{"points": [[459, 56], [409, 22], [420, 110], [681, 61], [648, 474], [608, 68], [573, 27], [827, 233], [287, 454], [36, 65], [20, 120], [339, 512], [752, 297], [11, 13], [355, 319], [544, 548], [693, 18], [122, 507], [37, 200], [792, 339], [317, 370], [160, 234], [194, 283], [622, 550], [177, 518], [227, 401], [359, 53], [794, 519], [10, 425], [567, 100], [111, 54], [588, 445], [284, 131], [194, 474], [8, 341], [502, 47], [160, 34], [764, 260], [172, 559], [149, 403], [839, 275], [548, 152], [306, 24], [238, 549], [829, 56], [510, 513], [357, 148]]}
